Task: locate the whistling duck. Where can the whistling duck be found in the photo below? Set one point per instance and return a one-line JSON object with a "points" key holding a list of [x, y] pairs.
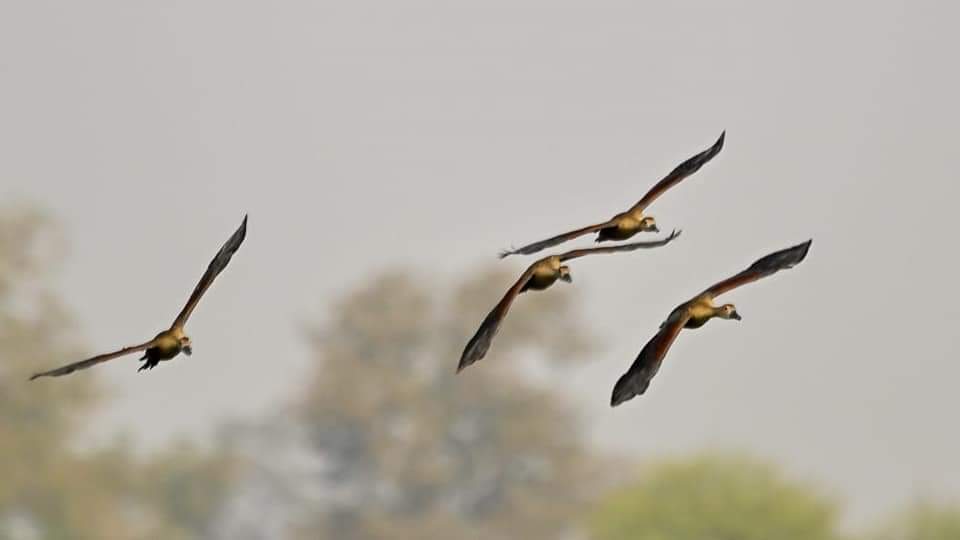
{"points": [[538, 276], [695, 313], [626, 224], [171, 342]]}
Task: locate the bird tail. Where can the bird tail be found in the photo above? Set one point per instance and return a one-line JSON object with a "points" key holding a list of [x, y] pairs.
{"points": [[603, 235], [148, 363]]}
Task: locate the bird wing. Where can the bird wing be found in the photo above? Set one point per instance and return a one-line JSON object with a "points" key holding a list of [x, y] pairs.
{"points": [[90, 362], [216, 266], [477, 346], [682, 171], [636, 380], [559, 239], [623, 247], [763, 267]]}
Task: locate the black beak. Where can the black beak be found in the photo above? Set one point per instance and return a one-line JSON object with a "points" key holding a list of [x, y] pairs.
{"points": [[188, 350], [567, 277], [735, 316], [655, 229]]}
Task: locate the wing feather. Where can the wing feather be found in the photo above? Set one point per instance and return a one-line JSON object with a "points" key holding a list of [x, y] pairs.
{"points": [[622, 247], [90, 362], [216, 266], [636, 380], [763, 267], [480, 342], [559, 239], [682, 171]]}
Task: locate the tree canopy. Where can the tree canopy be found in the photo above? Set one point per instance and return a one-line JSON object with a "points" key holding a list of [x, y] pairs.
{"points": [[923, 521], [384, 440], [713, 498], [392, 444], [49, 489]]}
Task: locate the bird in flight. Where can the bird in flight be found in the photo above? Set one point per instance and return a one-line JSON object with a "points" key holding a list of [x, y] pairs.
{"points": [[695, 313], [171, 342], [538, 276], [626, 224]]}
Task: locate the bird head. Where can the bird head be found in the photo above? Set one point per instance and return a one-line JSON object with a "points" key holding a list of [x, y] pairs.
{"points": [[648, 223], [186, 345], [729, 311], [565, 274]]}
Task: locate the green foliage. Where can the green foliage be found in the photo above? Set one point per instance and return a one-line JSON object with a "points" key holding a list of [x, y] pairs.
{"points": [[713, 498], [924, 522]]}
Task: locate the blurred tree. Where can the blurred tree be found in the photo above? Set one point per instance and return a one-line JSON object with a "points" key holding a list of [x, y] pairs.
{"points": [[924, 522], [45, 492], [49, 490], [387, 442], [713, 498]]}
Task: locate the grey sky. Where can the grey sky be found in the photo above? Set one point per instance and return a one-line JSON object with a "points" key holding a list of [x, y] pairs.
{"points": [[365, 135]]}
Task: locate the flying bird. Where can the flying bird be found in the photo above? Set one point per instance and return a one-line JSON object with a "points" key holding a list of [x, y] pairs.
{"points": [[626, 224], [695, 313], [171, 342], [538, 276]]}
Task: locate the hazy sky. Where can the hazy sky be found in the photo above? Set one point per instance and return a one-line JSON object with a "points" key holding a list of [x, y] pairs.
{"points": [[430, 134]]}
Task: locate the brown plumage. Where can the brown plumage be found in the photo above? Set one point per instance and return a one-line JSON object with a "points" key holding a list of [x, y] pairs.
{"points": [[626, 224], [538, 276], [695, 313], [171, 342]]}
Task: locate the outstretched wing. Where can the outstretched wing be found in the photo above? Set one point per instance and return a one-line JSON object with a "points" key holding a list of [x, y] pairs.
{"points": [[559, 239], [623, 247], [636, 380], [90, 362], [766, 266], [477, 346], [216, 266], [682, 171]]}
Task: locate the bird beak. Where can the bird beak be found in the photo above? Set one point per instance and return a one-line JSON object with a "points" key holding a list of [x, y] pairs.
{"points": [[735, 316], [567, 277], [655, 229], [188, 350]]}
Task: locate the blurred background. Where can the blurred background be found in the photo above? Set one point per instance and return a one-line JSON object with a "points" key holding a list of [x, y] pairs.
{"points": [[386, 151]]}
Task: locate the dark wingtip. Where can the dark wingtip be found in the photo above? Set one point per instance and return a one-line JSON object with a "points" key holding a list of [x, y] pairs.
{"points": [[717, 146], [694, 163], [241, 231], [465, 361], [505, 253], [802, 249], [36, 376], [784, 259], [622, 391], [469, 356]]}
